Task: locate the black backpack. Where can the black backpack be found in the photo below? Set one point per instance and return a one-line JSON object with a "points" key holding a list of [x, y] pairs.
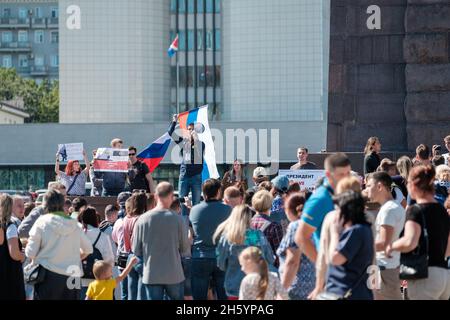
{"points": [[88, 262]]}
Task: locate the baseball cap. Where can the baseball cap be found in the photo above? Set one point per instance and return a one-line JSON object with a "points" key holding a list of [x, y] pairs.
{"points": [[281, 183], [122, 197], [259, 172]]}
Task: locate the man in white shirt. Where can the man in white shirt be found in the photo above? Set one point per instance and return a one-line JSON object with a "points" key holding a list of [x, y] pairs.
{"points": [[389, 224], [447, 145]]}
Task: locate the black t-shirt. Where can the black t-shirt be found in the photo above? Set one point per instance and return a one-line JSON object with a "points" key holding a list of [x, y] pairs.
{"points": [[136, 176], [371, 163], [438, 226]]}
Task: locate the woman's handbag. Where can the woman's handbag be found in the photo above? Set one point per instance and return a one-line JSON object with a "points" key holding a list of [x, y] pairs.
{"points": [[414, 266], [122, 259], [34, 274]]}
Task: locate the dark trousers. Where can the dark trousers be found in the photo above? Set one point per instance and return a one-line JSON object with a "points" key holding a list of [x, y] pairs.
{"points": [[55, 287], [204, 270]]}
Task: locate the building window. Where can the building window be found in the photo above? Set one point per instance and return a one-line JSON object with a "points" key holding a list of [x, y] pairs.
{"points": [[23, 61], [209, 6], [191, 6], [182, 6], [218, 39], [6, 12], [190, 77], [55, 61], [191, 40], [23, 13], [209, 40], [6, 36], [39, 61], [201, 77], [200, 6], [182, 41], [217, 6], [55, 36], [23, 36], [7, 61], [38, 12], [39, 36], [173, 6], [217, 76], [199, 40], [55, 12]]}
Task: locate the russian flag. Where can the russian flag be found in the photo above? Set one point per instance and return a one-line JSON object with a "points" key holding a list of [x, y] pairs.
{"points": [[199, 117], [154, 153], [173, 47]]}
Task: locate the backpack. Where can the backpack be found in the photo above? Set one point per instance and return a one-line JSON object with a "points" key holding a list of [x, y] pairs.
{"points": [[88, 262]]}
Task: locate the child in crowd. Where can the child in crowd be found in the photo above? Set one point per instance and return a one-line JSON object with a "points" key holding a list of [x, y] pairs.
{"points": [[259, 283], [103, 286]]}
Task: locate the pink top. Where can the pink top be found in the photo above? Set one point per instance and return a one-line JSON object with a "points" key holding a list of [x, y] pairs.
{"points": [[128, 226]]}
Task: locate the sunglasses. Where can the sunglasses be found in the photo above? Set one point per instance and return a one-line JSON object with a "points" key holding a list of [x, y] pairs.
{"points": [[131, 154]]}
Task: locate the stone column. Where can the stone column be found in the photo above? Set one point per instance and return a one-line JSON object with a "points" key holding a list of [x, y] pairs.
{"points": [[427, 74]]}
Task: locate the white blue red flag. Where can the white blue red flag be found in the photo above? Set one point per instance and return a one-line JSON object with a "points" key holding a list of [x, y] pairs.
{"points": [[154, 153], [173, 47]]}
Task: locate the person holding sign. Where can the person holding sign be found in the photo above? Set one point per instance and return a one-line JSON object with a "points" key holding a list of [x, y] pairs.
{"points": [[73, 178]]}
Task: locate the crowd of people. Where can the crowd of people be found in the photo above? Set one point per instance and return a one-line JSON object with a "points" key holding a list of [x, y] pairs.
{"points": [[382, 235]]}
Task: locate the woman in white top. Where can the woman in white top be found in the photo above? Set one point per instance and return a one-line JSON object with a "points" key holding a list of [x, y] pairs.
{"points": [[90, 221], [56, 243], [259, 283]]}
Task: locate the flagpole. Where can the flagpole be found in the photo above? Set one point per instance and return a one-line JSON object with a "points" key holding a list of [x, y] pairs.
{"points": [[178, 85]]}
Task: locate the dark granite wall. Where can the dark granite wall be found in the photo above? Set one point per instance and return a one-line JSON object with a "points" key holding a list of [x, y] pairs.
{"points": [[393, 83]]}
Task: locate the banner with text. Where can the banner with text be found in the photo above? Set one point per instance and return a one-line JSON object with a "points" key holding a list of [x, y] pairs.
{"points": [[111, 160], [306, 178]]}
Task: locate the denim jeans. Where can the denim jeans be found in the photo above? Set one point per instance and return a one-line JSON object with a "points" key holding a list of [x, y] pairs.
{"points": [[124, 287], [136, 289], [159, 291], [193, 184], [204, 269]]}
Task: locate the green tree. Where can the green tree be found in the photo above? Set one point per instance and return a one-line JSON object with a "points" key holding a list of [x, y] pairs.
{"points": [[40, 101]]}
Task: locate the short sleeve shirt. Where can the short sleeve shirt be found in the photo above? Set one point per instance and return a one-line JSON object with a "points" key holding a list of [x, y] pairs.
{"points": [[11, 232], [79, 188], [316, 208], [101, 289]]}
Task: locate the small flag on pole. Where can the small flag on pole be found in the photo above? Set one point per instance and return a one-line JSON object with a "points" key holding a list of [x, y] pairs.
{"points": [[173, 47]]}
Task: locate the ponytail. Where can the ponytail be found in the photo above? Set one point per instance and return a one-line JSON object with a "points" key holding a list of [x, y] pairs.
{"points": [[263, 271]]}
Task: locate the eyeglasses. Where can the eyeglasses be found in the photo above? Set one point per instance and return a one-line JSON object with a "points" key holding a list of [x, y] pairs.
{"points": [[139, 191], [131, 154]]}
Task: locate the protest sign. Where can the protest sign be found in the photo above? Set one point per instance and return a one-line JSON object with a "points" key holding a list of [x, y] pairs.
{"points": [[111, 160], [70, 151], [306, 178]]}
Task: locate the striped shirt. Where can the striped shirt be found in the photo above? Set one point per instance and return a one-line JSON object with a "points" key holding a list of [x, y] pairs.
{"points": [[79, 188]]}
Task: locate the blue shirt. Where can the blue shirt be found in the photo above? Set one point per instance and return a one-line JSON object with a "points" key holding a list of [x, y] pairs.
{"points": [[317, 207], [356, 245]]}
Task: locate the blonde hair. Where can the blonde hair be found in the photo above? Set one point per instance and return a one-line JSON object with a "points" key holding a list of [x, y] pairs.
{"points": [[404, 165], [262, 201], [6, 204], [99, 269], [370, 144], [255, 255], [235, 227], [347, 184], [442, 171]]}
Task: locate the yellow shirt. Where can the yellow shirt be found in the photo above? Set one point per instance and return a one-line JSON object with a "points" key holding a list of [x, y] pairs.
{"points": [[101, 289]]}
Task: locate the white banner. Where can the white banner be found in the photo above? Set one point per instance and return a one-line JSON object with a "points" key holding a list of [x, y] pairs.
{"points": [[70, 151], [306, 178]]}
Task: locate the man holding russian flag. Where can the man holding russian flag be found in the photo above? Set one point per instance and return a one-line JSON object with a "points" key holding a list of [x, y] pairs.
{"points": [[192, 152]]}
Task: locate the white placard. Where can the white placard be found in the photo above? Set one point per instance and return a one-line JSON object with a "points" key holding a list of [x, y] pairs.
{"points": [[70, 151], [306, 178]]}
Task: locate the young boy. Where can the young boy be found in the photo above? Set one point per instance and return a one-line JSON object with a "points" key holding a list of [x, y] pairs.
{"points": [[103, 286]]}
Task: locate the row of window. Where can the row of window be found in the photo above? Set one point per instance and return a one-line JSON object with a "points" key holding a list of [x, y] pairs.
{"points": [[22, 36], [23, 61], [202, 42], [24, 13], [212, 6], [187, 76]]}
